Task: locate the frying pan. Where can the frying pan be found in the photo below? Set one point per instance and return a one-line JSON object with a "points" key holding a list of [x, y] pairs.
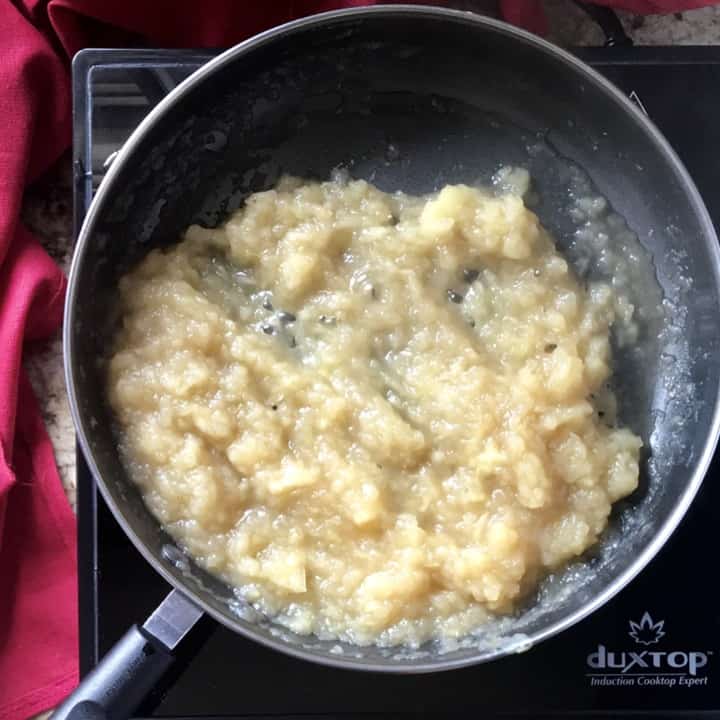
{"points": [[410, 98]]}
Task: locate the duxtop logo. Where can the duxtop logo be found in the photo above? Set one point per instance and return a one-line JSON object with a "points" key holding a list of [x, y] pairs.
{"points": [[656, 666], [646, 632]]}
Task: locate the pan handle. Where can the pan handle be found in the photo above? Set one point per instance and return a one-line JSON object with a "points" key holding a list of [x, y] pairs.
{"points": [[609, 22], [133, 666]]}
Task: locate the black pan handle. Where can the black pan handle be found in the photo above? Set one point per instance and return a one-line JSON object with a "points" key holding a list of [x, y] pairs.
{"points": [[133, 666], [609, 22]]}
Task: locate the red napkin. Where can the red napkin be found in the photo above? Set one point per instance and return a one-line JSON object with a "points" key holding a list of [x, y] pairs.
{"points": [[38, 606], [38, 599]]}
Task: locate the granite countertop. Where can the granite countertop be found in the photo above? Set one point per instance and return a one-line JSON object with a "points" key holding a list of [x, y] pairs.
{"points": [[47, 208]]}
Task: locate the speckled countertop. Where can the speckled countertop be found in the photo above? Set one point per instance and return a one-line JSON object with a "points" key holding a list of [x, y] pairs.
{"points": [[47, 212], [47, 205]]}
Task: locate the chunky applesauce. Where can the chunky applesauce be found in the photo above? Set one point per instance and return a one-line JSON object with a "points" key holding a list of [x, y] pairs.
{"points": [[382, 418]]}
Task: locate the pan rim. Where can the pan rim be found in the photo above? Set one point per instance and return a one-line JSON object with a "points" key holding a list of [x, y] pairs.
{"points": [[583, 71]]}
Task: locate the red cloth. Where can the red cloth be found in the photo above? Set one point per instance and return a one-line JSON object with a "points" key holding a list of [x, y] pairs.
{"points": [[38, 603], [38, 606]]}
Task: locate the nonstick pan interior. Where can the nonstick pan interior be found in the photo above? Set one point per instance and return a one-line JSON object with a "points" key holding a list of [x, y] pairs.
{"points": [[412, 99]]}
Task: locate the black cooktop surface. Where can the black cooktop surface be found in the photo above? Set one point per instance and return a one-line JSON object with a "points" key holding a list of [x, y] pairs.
{"points": [[664, 664]]}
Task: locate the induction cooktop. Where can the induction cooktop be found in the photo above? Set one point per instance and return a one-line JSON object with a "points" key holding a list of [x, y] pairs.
{"points": [[650, 652]]}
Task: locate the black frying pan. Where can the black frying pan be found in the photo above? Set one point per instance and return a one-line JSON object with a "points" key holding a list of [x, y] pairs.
{"points": [[410, 98]]}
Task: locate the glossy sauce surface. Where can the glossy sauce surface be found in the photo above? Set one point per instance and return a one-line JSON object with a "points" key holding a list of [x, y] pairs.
{"points": [[382, 418]]}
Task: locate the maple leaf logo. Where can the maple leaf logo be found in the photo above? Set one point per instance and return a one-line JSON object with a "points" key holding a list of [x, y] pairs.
{"points": [[646, 632]]}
